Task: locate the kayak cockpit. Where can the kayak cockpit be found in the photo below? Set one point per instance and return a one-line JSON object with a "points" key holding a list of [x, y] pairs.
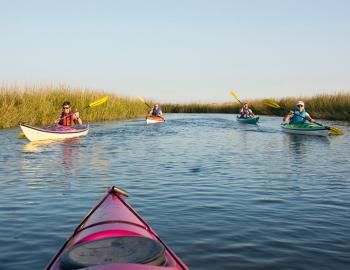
{"points": [[125, 249]]}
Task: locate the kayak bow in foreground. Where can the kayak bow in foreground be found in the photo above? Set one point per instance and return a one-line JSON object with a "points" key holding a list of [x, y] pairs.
{"points": [[53, 133], [305, 129], [114, 237]]}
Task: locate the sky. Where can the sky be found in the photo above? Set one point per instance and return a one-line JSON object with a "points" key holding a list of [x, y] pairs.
{"points": [[179, 50]]}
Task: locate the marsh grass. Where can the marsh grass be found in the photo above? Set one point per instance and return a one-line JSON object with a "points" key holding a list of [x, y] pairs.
{"points": [[40, 105], [325, 106]]}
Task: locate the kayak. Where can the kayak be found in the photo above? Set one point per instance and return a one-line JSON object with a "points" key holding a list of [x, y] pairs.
{"points": [[54, 132], [113, 236], [305, 129], [243, 120], [154, 119]]}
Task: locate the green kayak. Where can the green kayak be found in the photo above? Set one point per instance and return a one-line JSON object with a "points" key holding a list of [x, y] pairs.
{"points": [[305, 129], [243, 120]]}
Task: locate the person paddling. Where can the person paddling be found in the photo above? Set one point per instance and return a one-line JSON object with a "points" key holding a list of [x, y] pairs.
{"points": [[245, 112], [298, 115], [66, 117], [155, 111]]}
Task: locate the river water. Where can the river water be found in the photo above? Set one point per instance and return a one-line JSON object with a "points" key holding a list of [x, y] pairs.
{"points": [[221, 194]]}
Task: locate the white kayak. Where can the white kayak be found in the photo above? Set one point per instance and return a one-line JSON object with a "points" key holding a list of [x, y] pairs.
{"points": [[154, 119], [305, 129], [53, 133]]}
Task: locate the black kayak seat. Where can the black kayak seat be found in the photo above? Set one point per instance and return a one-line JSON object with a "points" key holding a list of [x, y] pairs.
{"points": [[125, 249]]}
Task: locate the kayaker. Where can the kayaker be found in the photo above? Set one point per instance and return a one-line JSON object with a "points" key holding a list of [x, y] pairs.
{"points": [[66, 117], [298, 115], [245, 112], [156, 111]]}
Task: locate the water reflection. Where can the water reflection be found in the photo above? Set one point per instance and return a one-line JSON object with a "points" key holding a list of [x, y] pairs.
{"points": [[68, 154], [298, 145], [35, 147], [71, 155]]}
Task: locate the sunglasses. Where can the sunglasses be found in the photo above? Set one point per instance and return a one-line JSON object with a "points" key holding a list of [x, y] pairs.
{"points": [[66, 108], [300, 105]]}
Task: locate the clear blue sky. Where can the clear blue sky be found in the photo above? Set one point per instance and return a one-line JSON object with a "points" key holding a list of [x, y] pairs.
{"points": [[177, 50]]}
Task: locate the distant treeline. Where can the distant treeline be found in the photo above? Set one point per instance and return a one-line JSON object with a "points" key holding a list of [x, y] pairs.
{"points": [[40, 105], [325, 106]]}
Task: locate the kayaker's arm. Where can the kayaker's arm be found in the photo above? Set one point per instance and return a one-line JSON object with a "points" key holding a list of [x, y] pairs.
{"points": [[58, 119], [287, 118], [308, 117], [251, 114], [77, 118]]}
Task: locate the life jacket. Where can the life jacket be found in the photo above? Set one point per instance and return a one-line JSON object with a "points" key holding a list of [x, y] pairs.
{"points": [[156, 112], [298, 117], [66, 121], [245, 113]]}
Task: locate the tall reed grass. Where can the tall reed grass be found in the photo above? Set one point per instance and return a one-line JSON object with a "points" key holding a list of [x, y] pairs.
{"points": [[325, 106], [40, 105]]}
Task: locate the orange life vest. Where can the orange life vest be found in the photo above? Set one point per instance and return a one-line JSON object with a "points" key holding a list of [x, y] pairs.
{"points": [[67, 121]]}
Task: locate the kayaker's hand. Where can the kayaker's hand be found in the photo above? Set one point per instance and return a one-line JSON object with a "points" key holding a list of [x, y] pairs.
{"points": [[77, 115]]}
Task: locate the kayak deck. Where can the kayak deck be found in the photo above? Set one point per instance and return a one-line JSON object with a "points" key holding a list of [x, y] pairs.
{"points": [[305, 129], [110, 224], [253, 120], [154, 119], [53, 132]]}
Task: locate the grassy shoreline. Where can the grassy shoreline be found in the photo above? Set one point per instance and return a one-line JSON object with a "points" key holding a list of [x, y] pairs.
{"points": [[40, 105], [325, 106]]}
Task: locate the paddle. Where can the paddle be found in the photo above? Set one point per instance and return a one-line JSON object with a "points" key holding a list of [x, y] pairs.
{"points": [[21, 136], [234, 95], [142, 100], [92, 104], [271, 103]]}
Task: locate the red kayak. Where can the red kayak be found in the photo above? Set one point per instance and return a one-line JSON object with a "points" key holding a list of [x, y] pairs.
{"points": [[114, 237]]}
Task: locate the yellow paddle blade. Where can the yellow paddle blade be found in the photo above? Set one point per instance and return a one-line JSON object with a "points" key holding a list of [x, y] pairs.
{"points": [[98, 102], [21, 136], [233, 94], [271, 103], [336, 131], [142, 100]]}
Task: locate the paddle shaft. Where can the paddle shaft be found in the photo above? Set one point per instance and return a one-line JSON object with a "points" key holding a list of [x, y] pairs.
{"points": [[61, 118], [92, 104], [151, 108], [233, 94], [240, 102]]}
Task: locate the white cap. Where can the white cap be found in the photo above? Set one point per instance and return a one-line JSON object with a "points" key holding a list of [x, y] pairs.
{"points": [[299, 103]]}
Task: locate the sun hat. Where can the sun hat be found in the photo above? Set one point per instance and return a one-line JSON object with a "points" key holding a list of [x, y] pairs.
{"points": [[299, 103]]}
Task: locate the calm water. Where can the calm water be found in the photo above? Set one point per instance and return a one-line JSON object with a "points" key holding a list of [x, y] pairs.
{"points": [[222, 195]]}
